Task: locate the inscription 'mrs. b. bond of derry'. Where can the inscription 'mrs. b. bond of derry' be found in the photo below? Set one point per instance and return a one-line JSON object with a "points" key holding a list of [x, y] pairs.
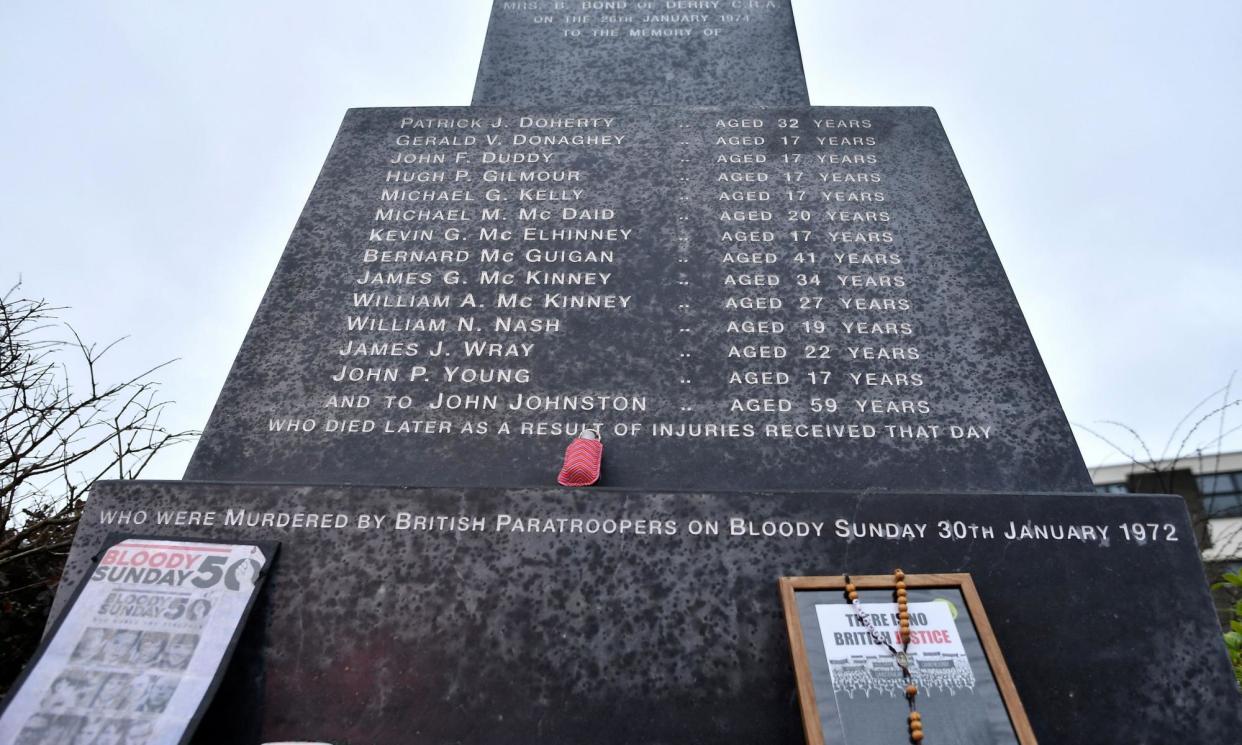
{"points": [[613, 52], [666, 19], [733, 298]]}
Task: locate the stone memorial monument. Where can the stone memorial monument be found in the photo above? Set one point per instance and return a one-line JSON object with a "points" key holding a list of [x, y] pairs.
{"points": [[791, 297], [794, 335]]}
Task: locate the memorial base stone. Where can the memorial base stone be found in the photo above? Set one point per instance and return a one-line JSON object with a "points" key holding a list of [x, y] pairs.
{"points": [[608, 616]]}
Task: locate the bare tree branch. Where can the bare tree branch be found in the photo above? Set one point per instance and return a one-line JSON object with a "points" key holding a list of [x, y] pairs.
{"points": [[1173, 435], [65, 422], [1138, 438], [1214, 442], [1120, 451], [1220, 434], [1218, 410]]}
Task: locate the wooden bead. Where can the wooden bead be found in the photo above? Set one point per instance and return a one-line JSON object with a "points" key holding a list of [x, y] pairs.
{"points": [[900, 575], [915, 716], [912, 690], [853, 596], [904, 615], [916, 726], [850, 588], [916, 736], [901, 585]]}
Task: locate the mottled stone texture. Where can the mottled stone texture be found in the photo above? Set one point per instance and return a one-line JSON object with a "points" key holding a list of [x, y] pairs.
{"points": [[977, 364], [720, 53], [383, 637]]}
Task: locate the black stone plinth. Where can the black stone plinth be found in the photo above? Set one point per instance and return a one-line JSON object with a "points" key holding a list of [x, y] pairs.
{"points": [[738, 298], [470, 632], [573, 52]]}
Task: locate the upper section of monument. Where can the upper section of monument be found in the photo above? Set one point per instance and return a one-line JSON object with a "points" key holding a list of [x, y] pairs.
{"points": [[615, 52], [734, 297]]}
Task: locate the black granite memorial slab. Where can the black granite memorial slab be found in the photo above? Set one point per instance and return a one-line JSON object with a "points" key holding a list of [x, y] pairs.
{"points": [[616, 52], [741, 298], [610, 617]]}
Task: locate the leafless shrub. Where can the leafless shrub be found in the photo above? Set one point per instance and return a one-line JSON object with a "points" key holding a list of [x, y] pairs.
{"points": [[63, 426]]}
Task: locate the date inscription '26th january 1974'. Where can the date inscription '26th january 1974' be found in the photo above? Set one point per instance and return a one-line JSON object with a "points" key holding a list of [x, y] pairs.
{"points": [[617, 52]]}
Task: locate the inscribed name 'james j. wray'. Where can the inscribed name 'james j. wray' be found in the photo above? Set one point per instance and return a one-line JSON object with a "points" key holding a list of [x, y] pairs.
{"points": [[786, 289]]}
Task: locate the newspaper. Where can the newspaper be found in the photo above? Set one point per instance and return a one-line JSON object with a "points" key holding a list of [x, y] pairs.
{"points": [[136, 653], [858, 665]]}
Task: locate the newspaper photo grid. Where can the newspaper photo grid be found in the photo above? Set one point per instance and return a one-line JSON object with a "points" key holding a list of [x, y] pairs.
{"points": [[860, 666], [136, 654]]}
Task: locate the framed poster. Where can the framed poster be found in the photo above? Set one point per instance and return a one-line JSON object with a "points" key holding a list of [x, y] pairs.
{"points": [[851, 687], [142, 646]]}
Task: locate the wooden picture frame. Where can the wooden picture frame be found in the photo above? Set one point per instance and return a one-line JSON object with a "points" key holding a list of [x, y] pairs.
{"points": [[812, 723]]}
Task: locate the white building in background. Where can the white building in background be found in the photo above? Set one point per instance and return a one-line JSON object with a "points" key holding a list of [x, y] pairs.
{"points": [[1219, 477]]}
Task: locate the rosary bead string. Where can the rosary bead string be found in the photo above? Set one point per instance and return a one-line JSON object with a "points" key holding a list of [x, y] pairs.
{"points": [[902, 656]]}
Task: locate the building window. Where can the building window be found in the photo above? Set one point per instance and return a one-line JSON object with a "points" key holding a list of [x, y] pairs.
{"points": [[1222, 494], [1219, 483], [1112, 488]]}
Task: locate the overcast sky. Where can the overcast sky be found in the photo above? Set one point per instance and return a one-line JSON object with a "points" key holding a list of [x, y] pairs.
{"points": [[155, 156]]}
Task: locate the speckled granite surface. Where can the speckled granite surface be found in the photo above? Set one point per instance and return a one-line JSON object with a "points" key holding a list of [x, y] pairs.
{"points": [[775, 299], [456, 631]]}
